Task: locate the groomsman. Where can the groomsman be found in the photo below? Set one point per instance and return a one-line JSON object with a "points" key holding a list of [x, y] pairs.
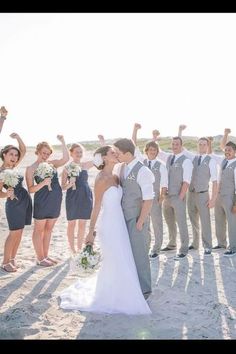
{"points": [[225, 208], [199, 200], [174, 207], [160, 185]]}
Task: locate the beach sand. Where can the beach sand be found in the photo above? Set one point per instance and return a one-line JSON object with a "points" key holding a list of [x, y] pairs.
{"points": [[194, 298]]}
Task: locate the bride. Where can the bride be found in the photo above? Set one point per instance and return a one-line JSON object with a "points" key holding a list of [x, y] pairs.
{"points": [[115, 288]]}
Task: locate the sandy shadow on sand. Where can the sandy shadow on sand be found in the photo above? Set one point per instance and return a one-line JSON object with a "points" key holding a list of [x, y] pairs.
{"points": [[31, 307]]}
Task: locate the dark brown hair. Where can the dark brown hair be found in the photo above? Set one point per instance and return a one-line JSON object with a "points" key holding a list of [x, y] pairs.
{"points": [[178, 138], [7, 148], [125, 145], [231, 144]]}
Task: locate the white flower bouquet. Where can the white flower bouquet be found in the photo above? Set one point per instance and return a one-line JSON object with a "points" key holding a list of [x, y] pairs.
{"points": [[86, 262], [73, 170], [10, 178], [43, 171]]}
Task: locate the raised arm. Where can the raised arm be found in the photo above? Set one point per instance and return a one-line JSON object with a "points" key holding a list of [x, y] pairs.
{"points": [[186, 152], [99, 189], [180, 130], [3, 116], [65, 154], [21, 145], [136, 127], [101, 139], [209, 150], [223, 141], [155, 135]]}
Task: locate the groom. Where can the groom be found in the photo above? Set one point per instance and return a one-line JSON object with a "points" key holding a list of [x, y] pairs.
{"points": [[137, 184]]}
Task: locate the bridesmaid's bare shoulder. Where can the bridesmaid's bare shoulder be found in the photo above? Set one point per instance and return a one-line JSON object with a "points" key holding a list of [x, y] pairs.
{"points": [[31, 168]]}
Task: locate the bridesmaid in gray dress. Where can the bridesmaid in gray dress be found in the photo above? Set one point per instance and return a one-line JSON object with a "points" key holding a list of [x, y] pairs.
{"points": [[47, 203], [18, 211]]}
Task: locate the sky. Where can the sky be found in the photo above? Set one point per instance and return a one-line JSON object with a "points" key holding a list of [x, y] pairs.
{"points": [[84, 74]]}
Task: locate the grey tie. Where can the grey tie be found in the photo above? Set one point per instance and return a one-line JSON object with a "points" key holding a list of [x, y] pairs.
{"points": [[172, 160], [199, 160], [224, 167], [150, 164]]}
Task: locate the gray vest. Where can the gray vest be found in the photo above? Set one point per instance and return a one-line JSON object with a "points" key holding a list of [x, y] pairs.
{"points": [[156, 171], [132, 199], [201, 175], [175, 175], [227, 185]]}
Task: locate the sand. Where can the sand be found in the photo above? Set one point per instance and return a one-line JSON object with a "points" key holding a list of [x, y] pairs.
{"points": [[192, 299]]}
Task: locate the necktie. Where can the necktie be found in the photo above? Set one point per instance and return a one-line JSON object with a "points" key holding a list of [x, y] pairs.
{"points": [[199, 160], [172, 160], [150, 164], [224, 167]]}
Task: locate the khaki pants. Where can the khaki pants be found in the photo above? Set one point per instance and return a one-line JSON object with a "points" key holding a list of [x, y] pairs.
{"points": [[157, 223], [138, 240], [198, 209], [174, 210], [223, 216]]}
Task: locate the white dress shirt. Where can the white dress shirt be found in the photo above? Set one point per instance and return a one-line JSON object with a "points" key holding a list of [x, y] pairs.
{"points": [[145, 179], [163, 169]]}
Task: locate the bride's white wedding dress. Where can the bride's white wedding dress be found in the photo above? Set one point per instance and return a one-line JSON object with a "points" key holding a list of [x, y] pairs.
{"points": [[115, 287]]}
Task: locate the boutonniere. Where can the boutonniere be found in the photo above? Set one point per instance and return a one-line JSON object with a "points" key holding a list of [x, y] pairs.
{"points": [[131, 177], [176, 164], [155, 169]]}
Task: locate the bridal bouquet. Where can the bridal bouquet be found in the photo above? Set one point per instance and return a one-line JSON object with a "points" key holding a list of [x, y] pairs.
{"points": [[87, 261], [10, 178], [43, 171], [73, 170]]}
